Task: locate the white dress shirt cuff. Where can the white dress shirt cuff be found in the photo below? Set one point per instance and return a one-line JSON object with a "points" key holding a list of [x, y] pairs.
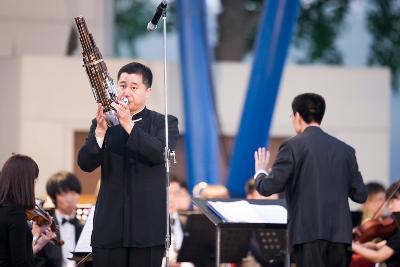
{"points": [[100, 141], [259, 172]]}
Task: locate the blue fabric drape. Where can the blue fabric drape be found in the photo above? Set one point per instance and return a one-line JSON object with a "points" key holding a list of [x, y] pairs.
{"points": [[201, 131], [274, 36], [394, 137]]}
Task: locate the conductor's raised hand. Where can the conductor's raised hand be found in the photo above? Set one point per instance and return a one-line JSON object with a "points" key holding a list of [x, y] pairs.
{"points": [[261, 159], [101, 122]]}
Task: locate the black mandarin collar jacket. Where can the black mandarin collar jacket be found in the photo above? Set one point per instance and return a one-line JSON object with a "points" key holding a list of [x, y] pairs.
{"points": [[131, 205]]}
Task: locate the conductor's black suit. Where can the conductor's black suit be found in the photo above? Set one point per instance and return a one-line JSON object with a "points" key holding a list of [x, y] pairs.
{"points": [[318, 174]]}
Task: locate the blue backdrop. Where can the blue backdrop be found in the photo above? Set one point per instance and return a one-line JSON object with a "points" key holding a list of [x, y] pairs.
{"points": [[201, 130], [273, 39]]}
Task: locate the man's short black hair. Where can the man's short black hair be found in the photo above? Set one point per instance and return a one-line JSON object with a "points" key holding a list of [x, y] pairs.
{"points": [[138, 68], [374, 188], [182, 183], [62, 182], [310, 106]]}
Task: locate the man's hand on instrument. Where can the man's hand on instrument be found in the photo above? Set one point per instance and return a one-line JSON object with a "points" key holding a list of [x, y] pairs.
{"points": [[261, 159], [101, 122], [124, 115]]}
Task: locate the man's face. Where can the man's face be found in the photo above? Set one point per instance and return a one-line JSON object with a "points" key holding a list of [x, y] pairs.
{"points": [[174, 196], [132, 87], [179, 198], [67, 201], [373, 203]]}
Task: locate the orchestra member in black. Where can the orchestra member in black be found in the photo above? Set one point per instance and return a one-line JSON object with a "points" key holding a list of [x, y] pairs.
{"points": [[130, 216], [17, 194], [318, 173], [387, 251], [64, 190]]}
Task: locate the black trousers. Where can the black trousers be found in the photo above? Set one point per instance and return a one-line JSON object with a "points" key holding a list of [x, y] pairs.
{"points": [[322, 253], [124, 257]]}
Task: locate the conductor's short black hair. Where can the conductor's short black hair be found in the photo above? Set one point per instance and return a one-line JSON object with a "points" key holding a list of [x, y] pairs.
{"points": [[310, 106], [62, 182], [138, 68]]}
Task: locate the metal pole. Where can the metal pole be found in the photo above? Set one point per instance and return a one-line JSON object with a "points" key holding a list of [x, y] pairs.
{"points": [[218, 248], [287, 256], [166, 149]]}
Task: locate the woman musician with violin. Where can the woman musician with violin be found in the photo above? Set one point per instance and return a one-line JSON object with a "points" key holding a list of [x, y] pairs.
{"points": [[388, 250], [17, 180]]}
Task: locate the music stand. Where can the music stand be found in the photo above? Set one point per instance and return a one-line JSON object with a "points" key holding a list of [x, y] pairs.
{"points": [[198, 244], [269, 246], [198, 241], [232, 240], [83, 250]]}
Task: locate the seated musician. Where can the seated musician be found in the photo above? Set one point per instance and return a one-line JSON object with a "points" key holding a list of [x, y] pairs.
{"points": [[387, 251], [376, 197], [252, 193], [18, 242], [64, 190], [179, 200]]}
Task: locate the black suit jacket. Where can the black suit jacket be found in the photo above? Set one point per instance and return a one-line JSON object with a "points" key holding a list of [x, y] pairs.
{"points": [[131, 205], [51, 255], [318, 173]]}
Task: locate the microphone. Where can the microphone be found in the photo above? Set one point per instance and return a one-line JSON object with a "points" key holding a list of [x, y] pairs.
{"points": [[152, 25]]}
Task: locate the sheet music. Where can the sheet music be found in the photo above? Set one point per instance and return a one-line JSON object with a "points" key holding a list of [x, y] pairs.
{"points": [[83, 244], [243, 211], [271, 213]]}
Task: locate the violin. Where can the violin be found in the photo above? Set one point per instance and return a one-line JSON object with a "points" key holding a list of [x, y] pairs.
{"points": [[42, 217], [382, 227]]}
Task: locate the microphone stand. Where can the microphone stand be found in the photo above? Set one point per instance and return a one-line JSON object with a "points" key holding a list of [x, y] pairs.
{"points": [[167, 153]]}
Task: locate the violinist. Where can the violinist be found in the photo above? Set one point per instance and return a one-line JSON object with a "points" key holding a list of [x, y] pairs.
{"points": [[376, 198], [17, 180], [388, 250]]}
